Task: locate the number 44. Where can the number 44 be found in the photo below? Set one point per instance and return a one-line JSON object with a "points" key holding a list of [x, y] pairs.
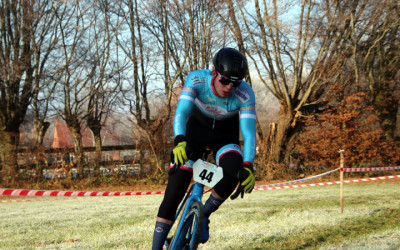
{"points": [[205, 175]]}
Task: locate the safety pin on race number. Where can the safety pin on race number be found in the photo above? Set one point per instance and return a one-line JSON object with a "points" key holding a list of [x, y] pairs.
{"points": [[206, 173]]}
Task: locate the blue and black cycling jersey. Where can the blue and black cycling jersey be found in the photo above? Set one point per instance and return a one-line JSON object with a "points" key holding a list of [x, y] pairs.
{"points": [[199, 101]]}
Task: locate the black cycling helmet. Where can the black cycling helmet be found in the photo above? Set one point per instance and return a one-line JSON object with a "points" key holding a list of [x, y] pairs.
{"points": [[230, 63]]}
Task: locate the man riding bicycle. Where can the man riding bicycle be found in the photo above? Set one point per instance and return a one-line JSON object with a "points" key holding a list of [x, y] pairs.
{"points": [[212, 107]]}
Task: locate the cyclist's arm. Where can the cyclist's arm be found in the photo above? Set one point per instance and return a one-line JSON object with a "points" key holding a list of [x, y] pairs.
{"points": [[248, 128], [185, 106]]}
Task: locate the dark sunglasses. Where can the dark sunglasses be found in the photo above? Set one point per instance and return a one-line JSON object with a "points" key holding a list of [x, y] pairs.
{"points": [[226, 81]]}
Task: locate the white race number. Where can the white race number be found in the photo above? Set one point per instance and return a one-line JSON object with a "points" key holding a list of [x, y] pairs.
{"points": [[206, 173]]}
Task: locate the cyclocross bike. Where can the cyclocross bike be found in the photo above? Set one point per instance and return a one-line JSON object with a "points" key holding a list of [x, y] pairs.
{"points": [[190, 211]]}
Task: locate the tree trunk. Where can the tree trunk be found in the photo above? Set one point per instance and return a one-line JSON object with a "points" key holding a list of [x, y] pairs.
{"points": [[271, 135], [97, 142], [281, 138], [78, 148], [41, 129], [8, 155]]}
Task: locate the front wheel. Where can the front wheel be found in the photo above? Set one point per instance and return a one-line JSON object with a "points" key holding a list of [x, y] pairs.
{"points": [[189, 235]]}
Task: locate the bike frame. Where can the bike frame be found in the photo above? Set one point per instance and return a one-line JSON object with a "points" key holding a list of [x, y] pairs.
{"points": [[195, 194]]}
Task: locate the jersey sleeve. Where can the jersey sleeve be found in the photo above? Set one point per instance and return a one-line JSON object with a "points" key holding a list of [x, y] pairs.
{"points": [[185, 105], [248, 126]]}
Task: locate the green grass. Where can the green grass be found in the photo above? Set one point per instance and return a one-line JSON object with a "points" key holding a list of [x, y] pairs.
{"points": [[305, 218]]}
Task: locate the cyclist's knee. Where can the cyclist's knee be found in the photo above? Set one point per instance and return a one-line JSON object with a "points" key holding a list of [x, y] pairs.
{"points": [[226, 152], [230, 158]]}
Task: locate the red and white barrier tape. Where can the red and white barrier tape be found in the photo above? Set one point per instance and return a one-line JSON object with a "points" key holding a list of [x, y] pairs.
{"points": [[19, 192], [368, 169], [22, 192], [326, 183], [329, 172], [301, 180]]}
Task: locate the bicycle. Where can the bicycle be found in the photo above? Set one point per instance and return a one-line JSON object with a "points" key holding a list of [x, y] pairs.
{"points": [[190, 211]]}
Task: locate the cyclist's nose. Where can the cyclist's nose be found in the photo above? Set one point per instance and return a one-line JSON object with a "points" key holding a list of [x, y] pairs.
{"points": [[230, 86]]}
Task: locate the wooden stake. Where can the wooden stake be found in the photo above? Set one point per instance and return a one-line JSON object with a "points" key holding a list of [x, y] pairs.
{"points": [[341, 179]]}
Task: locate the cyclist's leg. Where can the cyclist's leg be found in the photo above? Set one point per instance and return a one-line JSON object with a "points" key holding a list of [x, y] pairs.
{"points": [[230, 158], [196, 134], [178, 183], [160, 234]]}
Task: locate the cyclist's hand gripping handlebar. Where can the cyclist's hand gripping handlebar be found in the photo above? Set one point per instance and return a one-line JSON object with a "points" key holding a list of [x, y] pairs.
{"points": [[246, 181], [179, 153]]}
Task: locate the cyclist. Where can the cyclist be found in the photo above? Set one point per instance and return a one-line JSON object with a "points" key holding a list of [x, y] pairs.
{"points": [[213, 105]]}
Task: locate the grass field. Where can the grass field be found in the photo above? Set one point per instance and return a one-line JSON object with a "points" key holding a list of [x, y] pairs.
{"points": [[304, 218]]}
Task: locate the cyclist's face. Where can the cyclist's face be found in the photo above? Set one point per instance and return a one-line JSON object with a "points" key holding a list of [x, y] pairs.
{"points": [[223, 90]]}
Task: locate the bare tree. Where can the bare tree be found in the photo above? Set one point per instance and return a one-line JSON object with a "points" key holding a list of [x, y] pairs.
{"points": [[104, 84], [195, 25], [151, 22], [78, 68], [21, 24], [182, 32], [161, 29], [301, 53], [44, 45], [135, 64]]}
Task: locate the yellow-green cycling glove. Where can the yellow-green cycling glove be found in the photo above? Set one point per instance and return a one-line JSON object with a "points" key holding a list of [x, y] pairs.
{"points": [[179, 152], [246, 181]]}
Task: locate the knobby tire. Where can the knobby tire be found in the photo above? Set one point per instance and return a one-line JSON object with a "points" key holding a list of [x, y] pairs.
{"points": [[189, 235]]}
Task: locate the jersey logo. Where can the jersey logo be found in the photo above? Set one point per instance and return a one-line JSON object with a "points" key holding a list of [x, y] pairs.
{"points": [[242, 95], [197, 80], [212, 110]]}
